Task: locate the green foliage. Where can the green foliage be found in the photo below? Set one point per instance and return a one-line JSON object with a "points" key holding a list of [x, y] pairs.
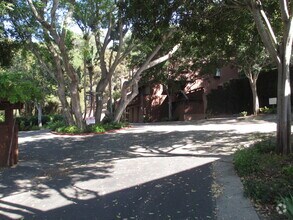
{"points": [[60, 126], [266, 110], [99, 128], [265, 191], [288, 171], [5, 6], [2, 117], [54, 125], [7, 51], [15, 87], [246, 161], [108, 126], [71, 129], [288, 202], [31, 123], [243, 113], [266, 175]]}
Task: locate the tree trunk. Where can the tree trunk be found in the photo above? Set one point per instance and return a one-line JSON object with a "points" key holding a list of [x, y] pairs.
{"points": [[253, 87], [125, 99], [75, 100], [281, 53], [39, 107], [170, 116], [99, 98], [62, 93], [284, 110], [133, 83]]}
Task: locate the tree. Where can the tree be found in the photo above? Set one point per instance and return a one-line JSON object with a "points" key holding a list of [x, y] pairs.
{"points": [[117, 19], [16, 87], [278, 41], [239, 46], [156, 23], [93, 16], [58, 36], [44, 27]]}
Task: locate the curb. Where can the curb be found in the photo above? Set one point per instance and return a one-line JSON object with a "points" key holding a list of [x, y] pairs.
{"points": [[231, 203]]}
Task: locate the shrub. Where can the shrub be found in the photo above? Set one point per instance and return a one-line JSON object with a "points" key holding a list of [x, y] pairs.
{"points": [[2, 118], [60, 129], [99, 128], [266, 175], [265, 191], [265, 146], [45, 119], [55, 118], [266, 110], [288, 170], [243, 114], [55, 125], [71, 129], [287, 203], [246, 161]]}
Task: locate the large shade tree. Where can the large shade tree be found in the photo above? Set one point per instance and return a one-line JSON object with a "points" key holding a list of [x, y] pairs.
{"points": [[43, 26], [274, 22], [233, 45], [117, 29]]}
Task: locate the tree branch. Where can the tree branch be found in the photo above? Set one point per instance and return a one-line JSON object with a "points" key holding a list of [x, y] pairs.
{"points": [[53, 12], [284, 10], [265, 31], [38, 16]]}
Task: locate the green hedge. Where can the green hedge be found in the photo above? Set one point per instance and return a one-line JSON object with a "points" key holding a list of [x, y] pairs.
{"points": [[266, 175]]}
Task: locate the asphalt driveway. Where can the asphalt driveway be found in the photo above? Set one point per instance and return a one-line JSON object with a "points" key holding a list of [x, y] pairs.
{"points": [[149, 171]]}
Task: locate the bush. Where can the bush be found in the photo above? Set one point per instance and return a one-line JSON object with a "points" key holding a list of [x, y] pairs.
{"points": [[71, 129], [2, 118], [99, 128], [243, 114], [61, 127], [265, 191], [288, 171], [30, 123], [55, 118], [266, 175], [288, 208], [55, 125], [45, 119], [246, 161], [266, 110]]}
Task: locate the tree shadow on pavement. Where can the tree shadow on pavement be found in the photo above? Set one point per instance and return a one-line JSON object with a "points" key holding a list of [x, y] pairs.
{"points": [[157, 199], [61, 164]]}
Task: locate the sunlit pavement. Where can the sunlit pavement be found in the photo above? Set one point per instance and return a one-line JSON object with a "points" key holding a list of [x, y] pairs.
{"points": [[149, 171]]}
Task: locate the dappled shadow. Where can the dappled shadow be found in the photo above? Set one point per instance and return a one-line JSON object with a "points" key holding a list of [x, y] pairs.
{"points": [[183, 195], [72, 171]]}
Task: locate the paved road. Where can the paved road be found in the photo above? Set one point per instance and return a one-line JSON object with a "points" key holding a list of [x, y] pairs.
{"points": [[149, 171]]}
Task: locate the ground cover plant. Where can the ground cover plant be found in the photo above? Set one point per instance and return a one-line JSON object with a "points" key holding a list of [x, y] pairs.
{"points": [[31, 122], [267, 178], [60, 127]]}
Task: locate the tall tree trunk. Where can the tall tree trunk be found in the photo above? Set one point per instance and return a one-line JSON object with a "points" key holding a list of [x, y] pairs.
{"points": [[255, 100], [76, 108], [125, 99], [280, 52], [110, 107], [133, 83], [62, 92], [170, 116], [100, 90], [39, 108], [84, 88], [284, 110]]}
